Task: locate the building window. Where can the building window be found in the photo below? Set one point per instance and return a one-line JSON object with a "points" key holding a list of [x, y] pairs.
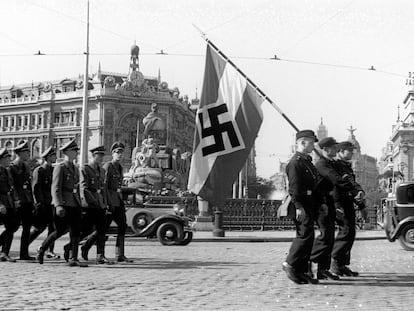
{"points": [[26, 120], [19, 121], [65, 117], [33, 119], [6, 121], [57, 117], [72, 116], [40, 119], [12, 122]]}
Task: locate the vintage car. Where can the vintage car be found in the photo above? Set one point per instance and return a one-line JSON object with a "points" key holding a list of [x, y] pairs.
{"points": [[165, 221], [399, 216]]}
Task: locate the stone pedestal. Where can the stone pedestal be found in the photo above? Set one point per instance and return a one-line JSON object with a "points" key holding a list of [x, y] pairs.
{"points": [[203, 222]]}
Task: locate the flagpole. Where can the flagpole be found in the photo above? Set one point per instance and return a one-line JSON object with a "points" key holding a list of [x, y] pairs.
{"points": [[84, 128], [261, 93]]}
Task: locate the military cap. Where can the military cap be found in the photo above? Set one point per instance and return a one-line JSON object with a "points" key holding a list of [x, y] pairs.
{"points": [[49, 151], [99, 149], [69, 146], [117, 146], [306, 133], [4, 153], [21, 147], [346, 145], [327, 142]]}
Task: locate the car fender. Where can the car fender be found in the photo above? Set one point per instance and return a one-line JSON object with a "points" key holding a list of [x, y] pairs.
{"points": [[153, 226], [401, 226]]}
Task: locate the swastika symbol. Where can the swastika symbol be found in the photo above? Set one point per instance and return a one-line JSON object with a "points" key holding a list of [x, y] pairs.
{"points": [[217, 129]]}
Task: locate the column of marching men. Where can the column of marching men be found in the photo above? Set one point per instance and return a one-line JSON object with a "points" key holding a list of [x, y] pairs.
{"points": [[62, 198], [323, 194]]}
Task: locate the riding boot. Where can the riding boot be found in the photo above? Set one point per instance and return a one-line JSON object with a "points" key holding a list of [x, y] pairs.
{"points": [[120, 250], [24, 244], [73, 261], [89, 242]]}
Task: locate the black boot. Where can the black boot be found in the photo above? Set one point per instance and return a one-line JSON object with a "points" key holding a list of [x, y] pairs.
{"points": [[74, 262], [120, 250], [66, 252], [40, 255], [102, 260]]}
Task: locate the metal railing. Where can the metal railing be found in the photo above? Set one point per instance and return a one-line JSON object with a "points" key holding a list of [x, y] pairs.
{"points": [[253, 214]]}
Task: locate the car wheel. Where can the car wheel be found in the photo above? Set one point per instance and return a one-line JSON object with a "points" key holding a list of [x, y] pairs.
{"points": [[407, 237], [188, 236], [140, 221], [170, 233]]}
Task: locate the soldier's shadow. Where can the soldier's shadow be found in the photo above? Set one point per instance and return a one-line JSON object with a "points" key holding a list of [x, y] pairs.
{"points": [[376, 279], [151, 263]]}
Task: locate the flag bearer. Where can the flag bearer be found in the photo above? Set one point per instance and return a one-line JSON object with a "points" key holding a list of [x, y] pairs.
{"points": [[303, 178]]}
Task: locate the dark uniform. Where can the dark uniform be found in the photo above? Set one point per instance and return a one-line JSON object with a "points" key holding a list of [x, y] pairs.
{"points": [[8, 214], [323, 243], [302, 177], [20, 174], [113, 183], [41, 185], [93, 201], [345, 198], [65, 195]]}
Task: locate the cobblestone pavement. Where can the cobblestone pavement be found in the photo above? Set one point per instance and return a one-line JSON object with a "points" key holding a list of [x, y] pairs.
{"points": [[207, 276]]}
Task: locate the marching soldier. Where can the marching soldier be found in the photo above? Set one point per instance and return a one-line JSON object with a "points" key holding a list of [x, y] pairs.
{"points": [[113, 183], [93, 200], [20, 174], [7, 210], [41, 185], [344, 203], [66, 199], [302, 177], [325, 215], [115, 204]]}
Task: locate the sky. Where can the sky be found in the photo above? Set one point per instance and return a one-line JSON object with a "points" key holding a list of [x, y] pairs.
{"points": [[325, 49]]}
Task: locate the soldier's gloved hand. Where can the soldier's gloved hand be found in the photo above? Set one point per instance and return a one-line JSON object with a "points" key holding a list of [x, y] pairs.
{"points": [[17, 204], [340, 214], [300, 212], [60, 211], [323, 210], [3, 209], [109, 210], [360, 196]]}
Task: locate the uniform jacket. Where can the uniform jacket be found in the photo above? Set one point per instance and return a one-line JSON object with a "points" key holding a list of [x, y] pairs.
{"points": [[330, 178], [92, 186], [20, 174], [344, 168], [113, 182], [42, 184], [303, 179], [65, 185], [6, 188]]}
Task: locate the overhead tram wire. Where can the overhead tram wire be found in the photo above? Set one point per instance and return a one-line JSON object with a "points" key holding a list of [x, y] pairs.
{"points": [[162, 53]]}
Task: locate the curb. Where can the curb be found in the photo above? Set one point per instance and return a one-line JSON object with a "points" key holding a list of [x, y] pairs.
{"points": [[269, 239]]}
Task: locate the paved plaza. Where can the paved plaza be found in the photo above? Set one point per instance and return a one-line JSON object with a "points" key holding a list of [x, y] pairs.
{"points": [[207, 276]]}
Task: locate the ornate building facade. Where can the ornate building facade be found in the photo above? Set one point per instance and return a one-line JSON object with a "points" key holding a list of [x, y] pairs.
{"points": [[397, 160], [49, 113]]}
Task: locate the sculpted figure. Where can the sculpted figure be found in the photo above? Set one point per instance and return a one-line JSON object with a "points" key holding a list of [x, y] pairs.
{"points": [[151, 118]]}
